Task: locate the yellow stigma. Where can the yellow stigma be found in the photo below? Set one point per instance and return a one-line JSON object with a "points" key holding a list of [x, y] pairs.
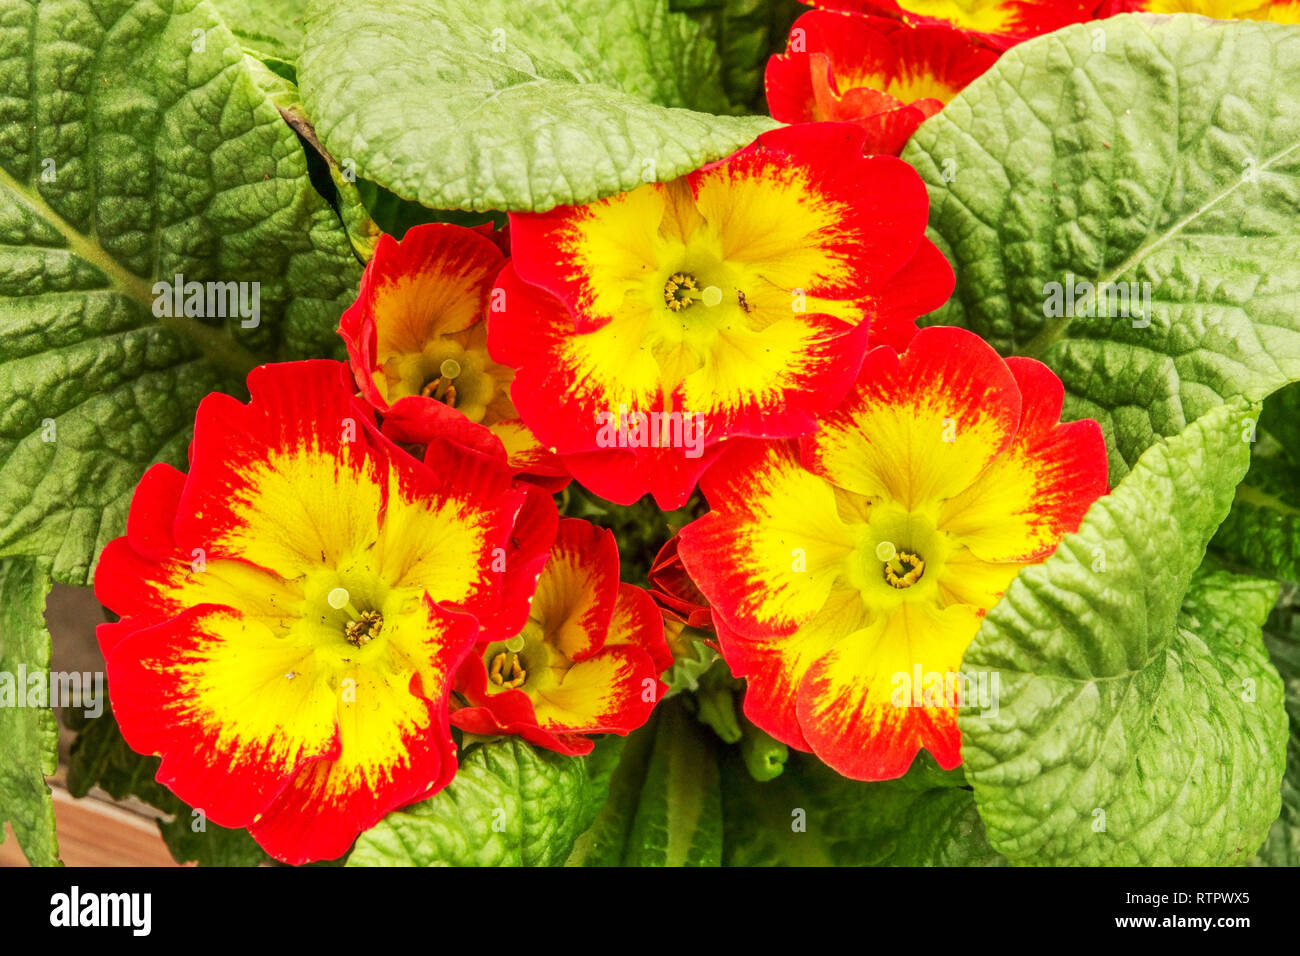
{"points": [[680, 291], [903, 569], [442, 388], [508, 675]]}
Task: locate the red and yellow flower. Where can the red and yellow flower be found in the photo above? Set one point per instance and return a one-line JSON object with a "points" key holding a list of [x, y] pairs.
{"points": [[1000, 23], [880, 73], [417, 345], [587, 661], [875, 545], [294, 609], [673, 590], [735, 301], [1275, 11]]}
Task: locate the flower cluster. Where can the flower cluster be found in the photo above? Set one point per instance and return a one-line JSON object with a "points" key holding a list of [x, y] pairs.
{"points": [[355, 563], [365, 568]]}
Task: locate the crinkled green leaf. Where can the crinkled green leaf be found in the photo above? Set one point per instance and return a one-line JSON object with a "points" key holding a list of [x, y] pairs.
{"points": [[1139, 718], [267, 28], [29, 735], [510, 804], [665, 799], [1161, 150], [811, 816], [497, 104], [100, 757], [1282, 848], [128, 156]]}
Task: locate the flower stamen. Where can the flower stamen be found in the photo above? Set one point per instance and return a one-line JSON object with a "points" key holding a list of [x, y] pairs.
{"points": [[904, 569], [508, 676], [680, 291], [364, 629]]}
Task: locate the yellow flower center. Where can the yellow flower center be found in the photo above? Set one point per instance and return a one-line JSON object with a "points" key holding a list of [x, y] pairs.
{"points": [[903, 570], [455, 369], [443, 388], [360, 627], [680, 291]]}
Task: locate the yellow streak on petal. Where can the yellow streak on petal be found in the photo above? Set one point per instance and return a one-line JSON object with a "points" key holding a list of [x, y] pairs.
{"points": [[441, 546], [306, 509], [1277, 11], [984, 16], [237, 684], [590, 690], [779, 225], [908, 457], [565, 601]]}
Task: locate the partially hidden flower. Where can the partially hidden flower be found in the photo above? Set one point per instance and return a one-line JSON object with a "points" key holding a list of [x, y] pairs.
{"points": [[999, 23], [673, 590], [647, 327], [1275, 11], [294, 609], [842, 566], [587, 661], [417, 346], [880, 73]]}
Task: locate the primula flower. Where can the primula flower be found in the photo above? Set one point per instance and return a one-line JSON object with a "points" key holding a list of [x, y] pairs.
{"points": [[880, 73], [673, 590], [999, 23], [646, 327], [294, 609], [587, 662], [1276, 11], [417, 345], [841, 566]]}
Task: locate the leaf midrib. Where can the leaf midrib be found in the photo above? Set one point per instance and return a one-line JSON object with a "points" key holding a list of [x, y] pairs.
{"points": [[1052, 333], [216, 344]]}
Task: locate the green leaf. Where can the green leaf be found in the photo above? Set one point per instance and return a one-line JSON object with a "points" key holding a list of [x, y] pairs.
{"points": [[128, 157], [1134, 694], [811, 816], [1261, 534], [266, 28], [395, 216], [29, 735], [665, 799], [1262, 531], [510, 804], [496, 104], [100, 757], [1282, 848], [692, 659], [746, 33], [1160, 150]]}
